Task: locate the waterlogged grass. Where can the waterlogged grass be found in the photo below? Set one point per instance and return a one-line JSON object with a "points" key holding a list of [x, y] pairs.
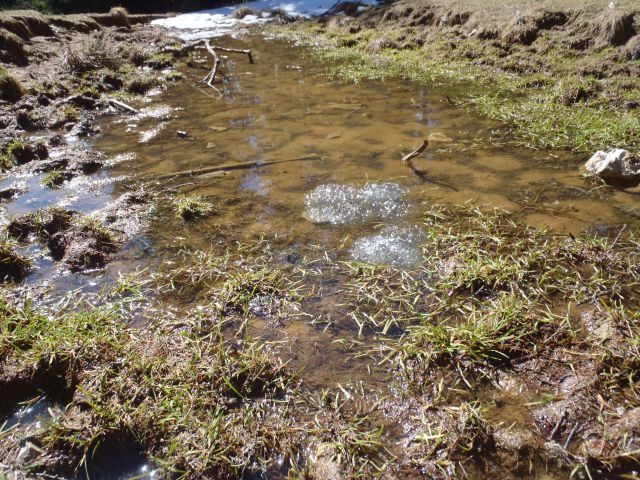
{"points": [[242, 280], [560, 110], [201, 398], [191, 391], [495, 298]]}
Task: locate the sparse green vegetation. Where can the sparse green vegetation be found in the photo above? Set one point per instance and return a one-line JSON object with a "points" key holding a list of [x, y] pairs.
{"points": [[174, 76], [71, 113], [192, 208], [160, 60], [55, 178]]}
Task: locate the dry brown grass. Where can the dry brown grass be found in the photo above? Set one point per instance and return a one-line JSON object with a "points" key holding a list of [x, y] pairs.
{"points": [[519, 6], [97, 52]]}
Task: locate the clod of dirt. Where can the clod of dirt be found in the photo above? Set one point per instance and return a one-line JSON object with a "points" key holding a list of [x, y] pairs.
{"points": [[25, 151], [12, 49], [141, 85], [13, 266], [12, 191], [612, 28], [46, 166], [85, 128], [522, 33], [30, 120], [42, 223], [633, 48], [83, 100], [377, 45], [545, 19], [85, 246], [83, 160], [10, 88], [26, 24], [77, 23], [19, 383]]}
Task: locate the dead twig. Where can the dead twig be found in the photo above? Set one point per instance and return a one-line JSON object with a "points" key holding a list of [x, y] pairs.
{"points": [[212, 49], [238, 166], [235, 50], [410, 156], [210, 78], [122, 105]]}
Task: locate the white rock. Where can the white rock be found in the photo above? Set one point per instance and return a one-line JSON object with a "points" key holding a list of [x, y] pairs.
{"points": [[616, 165]]}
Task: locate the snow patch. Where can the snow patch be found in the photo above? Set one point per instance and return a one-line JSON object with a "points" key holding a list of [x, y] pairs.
{"points": [[220, 21]]}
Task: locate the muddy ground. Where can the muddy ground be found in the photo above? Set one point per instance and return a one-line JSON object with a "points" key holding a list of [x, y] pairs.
{"points": [[60, 75], [510, 352]]}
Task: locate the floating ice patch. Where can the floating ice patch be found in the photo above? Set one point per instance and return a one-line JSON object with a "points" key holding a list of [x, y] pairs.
{"points": [[398, 246], [220, 21], [345, 204]]}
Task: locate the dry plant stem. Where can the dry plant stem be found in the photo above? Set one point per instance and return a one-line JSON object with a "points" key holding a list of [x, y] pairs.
{"points": [[239, 166], [410, 156]]}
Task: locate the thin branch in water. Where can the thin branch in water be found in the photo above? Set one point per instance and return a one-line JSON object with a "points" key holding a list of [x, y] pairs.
{"points": [[410, 156]]}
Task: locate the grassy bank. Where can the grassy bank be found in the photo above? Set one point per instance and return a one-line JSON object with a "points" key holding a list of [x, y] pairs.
{"points": [[509, 350], [550, 94]]}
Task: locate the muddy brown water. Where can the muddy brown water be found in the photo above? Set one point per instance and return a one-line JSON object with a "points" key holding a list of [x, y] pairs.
{"points": [[282, 107]]}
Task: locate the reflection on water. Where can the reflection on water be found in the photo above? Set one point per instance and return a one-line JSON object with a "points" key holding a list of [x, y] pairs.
{"points": [[345, 204], [395, 245], [32, 415], [272, 110]]}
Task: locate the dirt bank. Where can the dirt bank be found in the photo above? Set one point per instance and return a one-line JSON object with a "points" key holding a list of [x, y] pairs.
{"points": [[562, 74], [59, 74]]}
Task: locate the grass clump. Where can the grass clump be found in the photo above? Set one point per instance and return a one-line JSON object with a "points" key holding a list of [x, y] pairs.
{"points": [[70, 113], [160, 60], [22, 151], [174, 76], [192, 208], [55, 178], [189, 390], [96, 53], [243, 280], [141, 84], [42, 223]]}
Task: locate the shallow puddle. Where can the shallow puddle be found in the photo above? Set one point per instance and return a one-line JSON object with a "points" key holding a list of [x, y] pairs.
{"points": [[280, 109]]}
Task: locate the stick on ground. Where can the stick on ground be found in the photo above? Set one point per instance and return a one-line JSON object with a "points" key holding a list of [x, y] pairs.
{"points": [[410, 156], [238, 166], [122, 105]]}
